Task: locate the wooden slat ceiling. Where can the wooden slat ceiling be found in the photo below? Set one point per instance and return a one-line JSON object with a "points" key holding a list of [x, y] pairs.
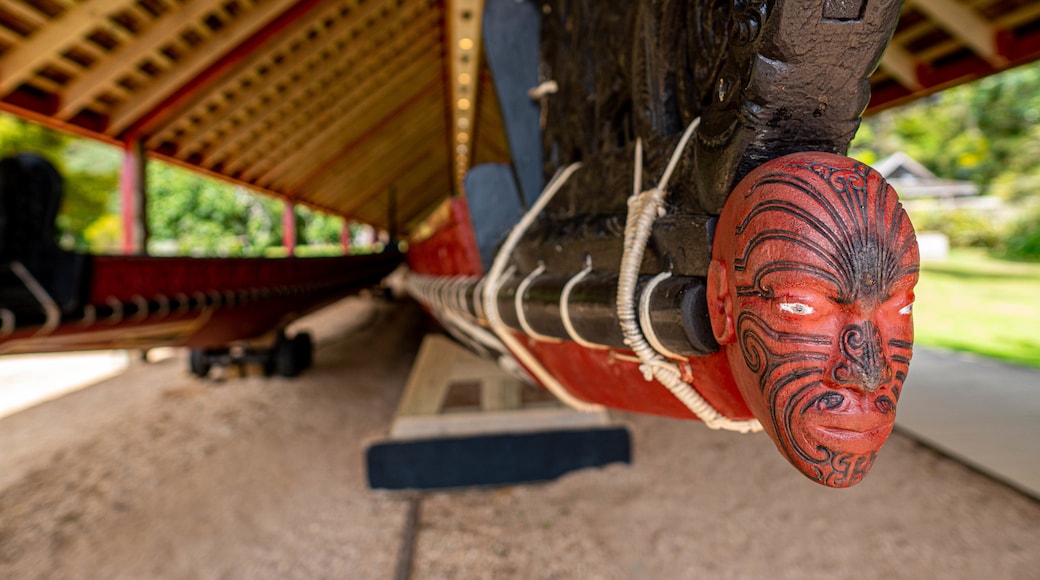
{"points": [[341, 104]]}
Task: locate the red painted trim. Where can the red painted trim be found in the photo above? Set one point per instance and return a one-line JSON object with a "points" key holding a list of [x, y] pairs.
{"points": [[24, 110], [293, 288], [452, 249], [289, 227], [197, 88], [129, 188]]}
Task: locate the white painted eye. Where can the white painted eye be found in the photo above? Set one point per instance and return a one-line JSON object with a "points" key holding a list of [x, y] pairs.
{"points": [[907, 309], [797, 308]]}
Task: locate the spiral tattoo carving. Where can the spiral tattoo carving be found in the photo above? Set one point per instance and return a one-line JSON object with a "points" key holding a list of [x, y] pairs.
{"points": [[843, 228]]}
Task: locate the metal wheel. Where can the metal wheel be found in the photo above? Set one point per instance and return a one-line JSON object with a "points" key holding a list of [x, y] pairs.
{"points": [[199, 362]]}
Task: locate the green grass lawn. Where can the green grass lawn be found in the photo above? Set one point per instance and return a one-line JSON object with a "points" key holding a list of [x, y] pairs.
{"points": [[977, 303]]}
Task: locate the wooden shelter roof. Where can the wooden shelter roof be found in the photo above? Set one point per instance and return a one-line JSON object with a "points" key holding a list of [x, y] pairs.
{"points": [[341, 104]]}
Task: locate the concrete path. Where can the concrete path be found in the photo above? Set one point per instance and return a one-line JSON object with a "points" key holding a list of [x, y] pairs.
{"points": [[980, 411], [27, 380]]}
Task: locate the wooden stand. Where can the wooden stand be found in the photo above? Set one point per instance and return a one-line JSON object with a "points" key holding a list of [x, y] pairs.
{"points": [[442, 363], [502, 440]]}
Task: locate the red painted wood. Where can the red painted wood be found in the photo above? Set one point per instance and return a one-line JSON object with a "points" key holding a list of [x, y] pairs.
{"points": [[122, 278], [452, 249], [289, 227], [600, 376], [130, 192]]}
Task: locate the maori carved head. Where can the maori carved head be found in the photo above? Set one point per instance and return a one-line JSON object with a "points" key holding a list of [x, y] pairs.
{"points": [[810, 293]]}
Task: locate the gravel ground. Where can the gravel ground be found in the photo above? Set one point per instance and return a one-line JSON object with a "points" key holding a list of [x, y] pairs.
{"points": [[156, 474]]}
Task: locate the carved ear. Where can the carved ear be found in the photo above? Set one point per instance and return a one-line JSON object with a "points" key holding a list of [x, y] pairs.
{"points": [[720, 303]]}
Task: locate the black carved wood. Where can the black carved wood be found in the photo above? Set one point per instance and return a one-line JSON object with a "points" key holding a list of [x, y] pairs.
{"points": [[766, 78]]}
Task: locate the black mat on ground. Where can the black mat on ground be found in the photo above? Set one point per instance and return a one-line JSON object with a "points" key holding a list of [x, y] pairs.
{"points": [[493, 459]]}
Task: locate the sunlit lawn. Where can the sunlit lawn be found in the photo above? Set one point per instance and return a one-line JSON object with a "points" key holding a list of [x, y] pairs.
{"points": [[976, 303]]}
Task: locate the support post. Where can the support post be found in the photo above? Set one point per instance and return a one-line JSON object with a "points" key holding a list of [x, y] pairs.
{"points": [[133, 190], [344, 237], [289, 228]]}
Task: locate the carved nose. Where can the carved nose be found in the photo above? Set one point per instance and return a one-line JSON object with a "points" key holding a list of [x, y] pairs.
{"points": [[863, 365]]}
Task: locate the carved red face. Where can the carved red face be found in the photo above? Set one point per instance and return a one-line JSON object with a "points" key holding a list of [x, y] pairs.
{"points": [[811, 292]]}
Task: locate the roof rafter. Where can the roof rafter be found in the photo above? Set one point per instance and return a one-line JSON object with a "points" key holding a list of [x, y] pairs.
{"points": [[51, 40], [379, 108], [967, 25], [328, 123], [103, 74], [280, 73], [901, 66], [238, 31], [394, 141], [290, 117]]}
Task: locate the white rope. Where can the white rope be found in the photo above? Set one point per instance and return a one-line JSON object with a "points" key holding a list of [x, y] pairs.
{"points": [[164, 306], [646, 323], [182, 300], [478, 301], [565, 307], [117, 310], [50, 308], [643, 209], [518, 303], [542, 90], [89, 315], [142, 307], [459, 290], [493, 282]]}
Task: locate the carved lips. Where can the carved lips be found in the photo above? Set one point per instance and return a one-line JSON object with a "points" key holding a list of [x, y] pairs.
{"points": [[853, 425]]}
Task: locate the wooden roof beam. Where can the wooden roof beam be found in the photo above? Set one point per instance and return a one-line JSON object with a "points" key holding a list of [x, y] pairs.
{"points": [[380, 106], [82, 90], [418, 197], [238, 31], [297, 132], [375, 69], [407, 164], [385, 55], [303, 168], [323, 120], [202, 85], [967, 25], [24, 12], [279, 74], [51, 39], [424, 187], [379, 158], [901, 65]]}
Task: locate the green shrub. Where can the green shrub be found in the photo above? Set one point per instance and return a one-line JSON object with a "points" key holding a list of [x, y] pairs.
{"points": [[1023, 242], [964, 228]]}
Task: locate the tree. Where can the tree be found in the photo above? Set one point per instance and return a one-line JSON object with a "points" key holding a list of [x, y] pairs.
{"points": [[195, 215], [986, 132], [90, 172]]}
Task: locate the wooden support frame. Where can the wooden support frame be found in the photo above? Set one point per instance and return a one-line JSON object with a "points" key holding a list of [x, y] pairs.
{"points": [[441, 362]]}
